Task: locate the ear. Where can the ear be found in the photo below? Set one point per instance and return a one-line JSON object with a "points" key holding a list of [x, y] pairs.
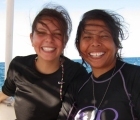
{"points": [[117, 49], [78, 48], [65, 41], [31, 38]]}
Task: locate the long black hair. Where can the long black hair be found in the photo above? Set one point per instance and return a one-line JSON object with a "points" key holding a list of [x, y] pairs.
{"points": [[113, 21]]}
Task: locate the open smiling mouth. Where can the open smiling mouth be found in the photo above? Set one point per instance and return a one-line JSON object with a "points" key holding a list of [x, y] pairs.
{"points": [[48, 49], [96, 54]]}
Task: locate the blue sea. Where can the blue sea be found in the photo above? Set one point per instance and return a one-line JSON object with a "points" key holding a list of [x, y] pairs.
{"points": [[132, 60]]}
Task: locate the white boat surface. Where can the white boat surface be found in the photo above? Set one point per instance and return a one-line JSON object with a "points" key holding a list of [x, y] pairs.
{"points": [[7, 111]]}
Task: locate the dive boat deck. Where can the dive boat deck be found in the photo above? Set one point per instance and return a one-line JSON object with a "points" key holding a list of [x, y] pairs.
{"points": [[7, 112]]}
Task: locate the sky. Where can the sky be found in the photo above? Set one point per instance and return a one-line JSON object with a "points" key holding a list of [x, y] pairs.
{"points": [[26, 10]]}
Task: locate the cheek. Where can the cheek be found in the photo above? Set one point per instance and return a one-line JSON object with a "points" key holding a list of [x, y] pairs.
{"points": [[36, 42], [110, 45], [113, 49], [83, 47], [60, 43]]}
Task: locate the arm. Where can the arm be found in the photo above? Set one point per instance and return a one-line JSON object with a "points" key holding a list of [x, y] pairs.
{"points": [[136, 92], [77, 79], [3, 96], [9, 87], [136, 98]]}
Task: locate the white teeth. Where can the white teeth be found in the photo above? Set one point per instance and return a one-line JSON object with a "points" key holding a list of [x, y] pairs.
{"points": [[48, 49], [97, 54]]}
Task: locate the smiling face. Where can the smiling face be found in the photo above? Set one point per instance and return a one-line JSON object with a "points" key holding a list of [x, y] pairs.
{"points": [[97, 47], [48, 40]]}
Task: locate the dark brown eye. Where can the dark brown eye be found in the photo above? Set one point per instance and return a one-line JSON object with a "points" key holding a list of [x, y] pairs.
{"points": [[57, 34]]}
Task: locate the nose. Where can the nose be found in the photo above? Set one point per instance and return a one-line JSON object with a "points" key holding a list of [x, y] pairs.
{"points": [[49, 38], [96, 41]]}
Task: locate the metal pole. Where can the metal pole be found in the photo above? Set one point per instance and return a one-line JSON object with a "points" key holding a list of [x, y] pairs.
{"points": [[9, 33]]}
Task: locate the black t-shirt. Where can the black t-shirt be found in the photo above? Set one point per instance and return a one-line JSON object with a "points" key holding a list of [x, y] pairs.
{"points": [[37, 95], [121, 100]]}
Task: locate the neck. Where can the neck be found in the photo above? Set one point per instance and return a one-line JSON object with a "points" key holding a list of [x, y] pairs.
{"points": [[47, 67], [99, 71]]}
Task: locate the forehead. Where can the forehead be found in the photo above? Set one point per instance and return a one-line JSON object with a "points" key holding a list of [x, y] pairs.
{"points": [[96, 25], [49, 22]]}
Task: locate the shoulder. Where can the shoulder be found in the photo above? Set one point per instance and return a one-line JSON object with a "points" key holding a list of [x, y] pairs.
{"points": [[132, 78], [72, 64], [22, 61], [74, 70], [24, 58], [130, 69], [131, 74]]}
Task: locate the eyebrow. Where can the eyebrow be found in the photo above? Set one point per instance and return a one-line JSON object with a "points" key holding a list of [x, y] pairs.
{"points": [[40, 29], [89, 32], [92, 24], [45, 28], [97, 25]]}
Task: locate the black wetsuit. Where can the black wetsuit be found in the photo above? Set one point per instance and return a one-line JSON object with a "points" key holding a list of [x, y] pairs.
{"points": [[37, 95], [121, 101]]}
